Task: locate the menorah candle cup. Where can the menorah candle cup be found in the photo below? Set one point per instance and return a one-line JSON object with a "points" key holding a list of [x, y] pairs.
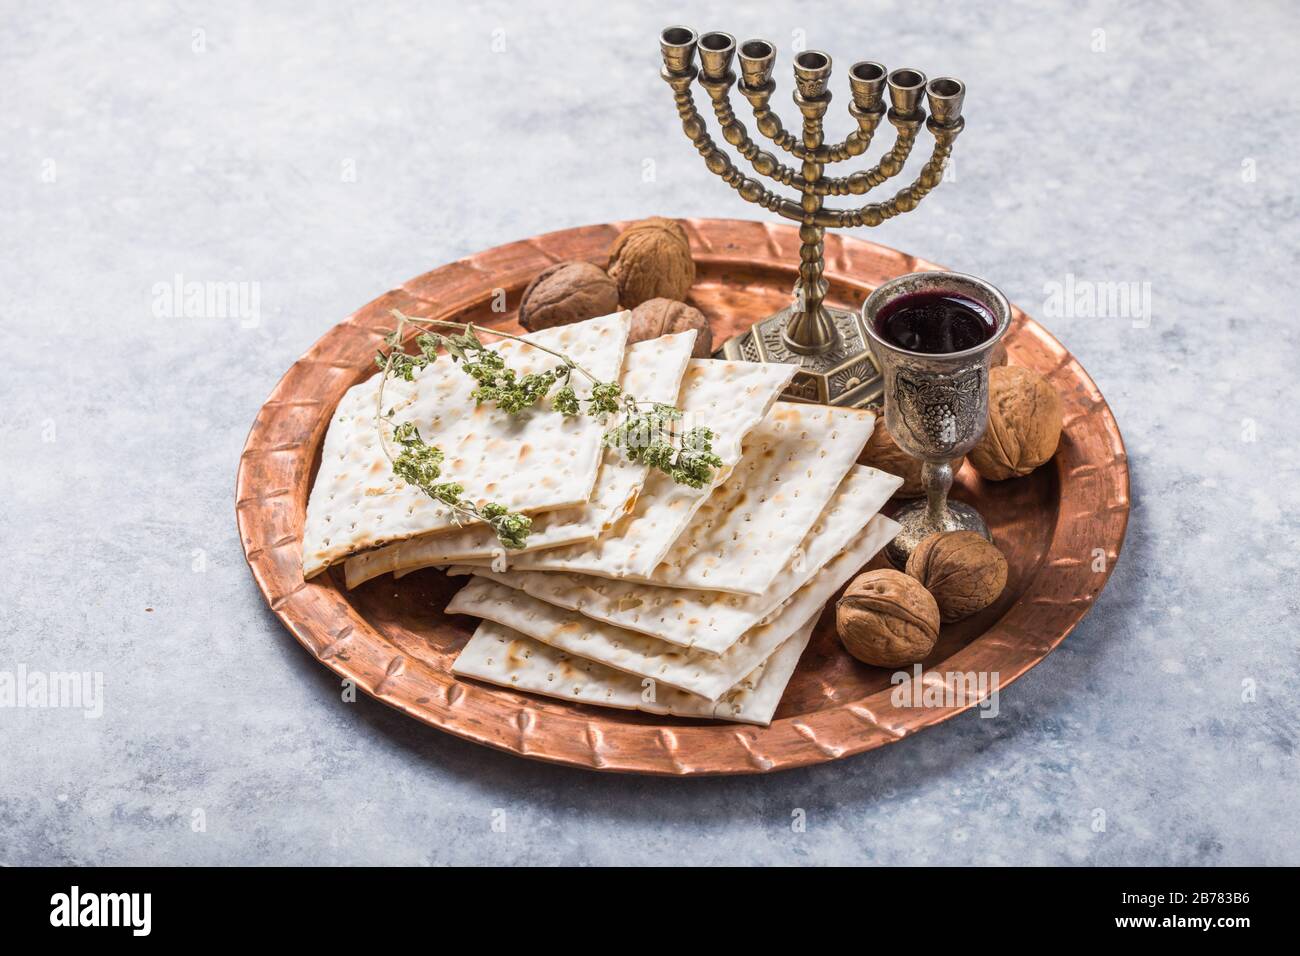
{"points": [[757, 58], [812, 71], [716, 52], [906, 87], [867, 83], [677, 44], [935, 402], [945, 95]]}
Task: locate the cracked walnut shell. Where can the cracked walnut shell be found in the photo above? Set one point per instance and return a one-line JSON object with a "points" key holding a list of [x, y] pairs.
{"points": [[1024, 424], [565, 293], [887, 619], [962, 570], [656, 317], [651, 259]]}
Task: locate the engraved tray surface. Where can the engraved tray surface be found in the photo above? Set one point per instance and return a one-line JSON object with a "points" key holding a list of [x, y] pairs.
{"points": [[393, 640]]}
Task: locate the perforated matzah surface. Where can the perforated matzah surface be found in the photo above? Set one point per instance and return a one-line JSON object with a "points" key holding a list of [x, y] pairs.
{"points": [[501, 655], [731, 398], [711, 621], [534, 461], [749, 528]]}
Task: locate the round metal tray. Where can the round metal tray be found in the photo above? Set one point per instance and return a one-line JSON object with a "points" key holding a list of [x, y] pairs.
{"points": [[1061, 529]]}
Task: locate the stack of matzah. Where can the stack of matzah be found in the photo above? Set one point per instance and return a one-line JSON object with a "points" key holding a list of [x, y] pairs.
{"points": [[632, 591]]}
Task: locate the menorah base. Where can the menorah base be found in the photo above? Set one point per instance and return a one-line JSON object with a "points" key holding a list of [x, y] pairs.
{"points": [[844, 374]]}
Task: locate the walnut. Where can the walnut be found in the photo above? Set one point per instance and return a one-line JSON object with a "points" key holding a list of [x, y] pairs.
{"points": [[1024, 424], [883, 452], [656, 317], [565, 293], [964, 572], [887, 619], [651, 259]]}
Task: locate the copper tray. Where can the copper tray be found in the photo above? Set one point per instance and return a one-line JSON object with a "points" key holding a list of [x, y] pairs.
{"points": [[393, 640]]}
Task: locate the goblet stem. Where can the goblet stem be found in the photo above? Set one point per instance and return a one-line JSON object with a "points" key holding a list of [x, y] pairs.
{"points": [[937, 479], [936, 514]]}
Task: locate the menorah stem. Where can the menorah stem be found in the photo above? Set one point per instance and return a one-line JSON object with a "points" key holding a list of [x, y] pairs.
{"points": [[810, 329]]}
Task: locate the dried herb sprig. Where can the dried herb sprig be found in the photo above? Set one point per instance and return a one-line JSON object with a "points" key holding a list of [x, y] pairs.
{"points": [[648, 433], [651, 437], [420, 464]]}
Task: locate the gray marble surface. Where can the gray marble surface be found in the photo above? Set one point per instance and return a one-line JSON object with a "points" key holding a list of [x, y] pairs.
{"points": [[324, 155]]}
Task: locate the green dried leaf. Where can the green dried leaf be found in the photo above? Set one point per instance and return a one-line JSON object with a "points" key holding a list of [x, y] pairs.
{"points": [[566, 402]]}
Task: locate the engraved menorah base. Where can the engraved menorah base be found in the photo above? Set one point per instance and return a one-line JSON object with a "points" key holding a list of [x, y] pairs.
{"points": [[843, 373]]}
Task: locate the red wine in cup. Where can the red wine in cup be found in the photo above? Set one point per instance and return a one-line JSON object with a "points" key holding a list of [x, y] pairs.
{"points": [[934, 323]]}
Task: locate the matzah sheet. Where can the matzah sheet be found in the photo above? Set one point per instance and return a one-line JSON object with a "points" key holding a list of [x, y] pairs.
{"points": [[537, 460], [500, 655], [749, 528]]}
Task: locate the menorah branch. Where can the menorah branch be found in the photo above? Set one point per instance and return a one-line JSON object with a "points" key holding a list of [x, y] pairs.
{"points": [[735, 133], [890, 165], [769, 124], [716, 160], [766, 164], [906, 199]]}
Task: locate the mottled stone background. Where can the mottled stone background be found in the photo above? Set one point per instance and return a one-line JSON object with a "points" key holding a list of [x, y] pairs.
{"points": [[1145, 142]]}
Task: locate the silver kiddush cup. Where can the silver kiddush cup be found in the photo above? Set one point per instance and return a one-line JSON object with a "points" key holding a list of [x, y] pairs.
{"points": [[936, 405]]}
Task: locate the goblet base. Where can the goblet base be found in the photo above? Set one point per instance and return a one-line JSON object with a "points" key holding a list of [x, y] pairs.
{"points": [[957, 516]]}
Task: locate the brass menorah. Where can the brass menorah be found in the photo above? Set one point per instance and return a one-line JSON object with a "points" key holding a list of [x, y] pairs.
{"points": [[829, 344]]}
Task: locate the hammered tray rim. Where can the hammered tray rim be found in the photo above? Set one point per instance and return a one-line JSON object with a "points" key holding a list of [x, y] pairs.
{"points": [[276, 463]]}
